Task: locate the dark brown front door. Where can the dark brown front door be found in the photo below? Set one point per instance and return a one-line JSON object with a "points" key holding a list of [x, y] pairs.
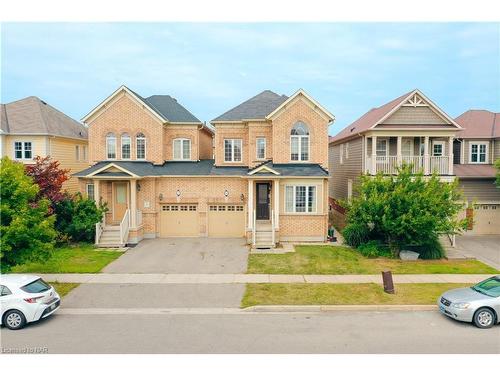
{"points": [[262, 201]]}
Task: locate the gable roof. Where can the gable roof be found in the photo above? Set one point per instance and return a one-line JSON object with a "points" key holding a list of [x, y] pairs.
{"points": [[164, 107], [479, 123], [377, 115], [302, 93], [32, 115], [257, 107]]}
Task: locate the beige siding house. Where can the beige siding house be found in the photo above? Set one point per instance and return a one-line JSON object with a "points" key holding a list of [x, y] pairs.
{"points": [[258, 172], [30, 127]]}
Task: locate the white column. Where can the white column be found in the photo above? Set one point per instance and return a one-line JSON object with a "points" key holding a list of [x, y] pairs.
{"points": [[450, 155], [398, 150], [374, 155], [250, 204], [133, 203], [97, 192], [276, 185], [426, 155]]}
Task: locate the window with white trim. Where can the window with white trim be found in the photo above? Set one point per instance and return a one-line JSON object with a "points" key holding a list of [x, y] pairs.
{"points": [[299, 142], [478, 152], [182, 149], [438, 148], [347, 150], [382, 149], [300, 198], [84, 149], [342, 153], [90, 191], [77, 152], [261, 148], [23, 150], [232, 150], [126, 146], [140, 146], [111, 146]]}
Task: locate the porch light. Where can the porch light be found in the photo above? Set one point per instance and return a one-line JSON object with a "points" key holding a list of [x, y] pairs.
{"points": [[138, 187], [242, 197], [226, 193], [178, 193], [160, 196]]}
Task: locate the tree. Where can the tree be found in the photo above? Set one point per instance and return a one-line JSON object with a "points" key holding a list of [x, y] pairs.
{"points": [[497, 166], [77, 217], [405, 209], [49, 177], [26, 228]]}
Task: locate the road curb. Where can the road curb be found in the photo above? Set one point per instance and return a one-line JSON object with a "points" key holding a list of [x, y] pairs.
{"points": [[330, 308]]}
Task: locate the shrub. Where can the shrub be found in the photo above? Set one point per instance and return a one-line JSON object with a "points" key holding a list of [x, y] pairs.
{"points": [[374, 249], [431, 249], [355, 234], [76, 218], [27, 230]]}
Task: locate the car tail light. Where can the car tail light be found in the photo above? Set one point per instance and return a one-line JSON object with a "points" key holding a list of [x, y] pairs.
{"points": [[32, 299]]}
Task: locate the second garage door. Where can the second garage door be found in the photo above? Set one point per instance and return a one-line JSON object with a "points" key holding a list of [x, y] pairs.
{"points": [[486, 219], [226, 221], [179, 220]]}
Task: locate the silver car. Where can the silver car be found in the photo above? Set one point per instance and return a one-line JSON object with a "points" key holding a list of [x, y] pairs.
{"points": [[479, 304]]}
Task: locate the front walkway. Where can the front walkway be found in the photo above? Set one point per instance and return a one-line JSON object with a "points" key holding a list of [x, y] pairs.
{"points": [[103, 278]]}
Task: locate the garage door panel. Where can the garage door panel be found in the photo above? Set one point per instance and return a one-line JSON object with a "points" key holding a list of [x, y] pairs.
{"points": [[179, 221], [486, 219], [226, 221]]}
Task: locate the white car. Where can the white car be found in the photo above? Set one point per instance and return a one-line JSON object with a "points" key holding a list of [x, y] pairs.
{"points": [[25, 299]]}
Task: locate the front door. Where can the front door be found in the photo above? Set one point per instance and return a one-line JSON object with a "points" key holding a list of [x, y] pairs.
{"points": [[119, 200], [262, 201]]}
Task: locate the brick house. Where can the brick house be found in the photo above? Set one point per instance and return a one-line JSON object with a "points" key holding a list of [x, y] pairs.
{"points": [[260, 171]]}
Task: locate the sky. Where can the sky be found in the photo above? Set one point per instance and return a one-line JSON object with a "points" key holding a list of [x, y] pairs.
{"points": [[348, 68]]}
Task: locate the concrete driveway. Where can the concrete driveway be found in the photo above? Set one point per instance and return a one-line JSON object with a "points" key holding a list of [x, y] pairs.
{"points": [[484, 248], [184, 255]]}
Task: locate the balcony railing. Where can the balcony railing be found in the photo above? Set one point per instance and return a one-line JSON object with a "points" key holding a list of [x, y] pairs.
{"points": [[389, 164]]}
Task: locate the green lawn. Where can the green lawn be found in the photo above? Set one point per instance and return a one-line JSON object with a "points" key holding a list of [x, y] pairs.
{"points": [[340, 260], [343, 294], [81, 258], [64, 288]]}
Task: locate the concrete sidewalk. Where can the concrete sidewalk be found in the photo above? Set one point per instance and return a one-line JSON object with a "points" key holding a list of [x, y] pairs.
{"points": [[106, 278]]}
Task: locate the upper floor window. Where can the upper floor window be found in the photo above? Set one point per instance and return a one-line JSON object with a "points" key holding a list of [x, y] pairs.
{"points": [[261, 148], [182, 149], [438, 148], [382, 149], [140, 146], [77, 152], [111, 146], [299, 142], [126, 144], [23, 150], [478, 152], [84, 149], [232, 150]]}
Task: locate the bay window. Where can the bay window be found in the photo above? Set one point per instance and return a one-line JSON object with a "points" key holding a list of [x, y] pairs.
{"points": [[300, 198]]}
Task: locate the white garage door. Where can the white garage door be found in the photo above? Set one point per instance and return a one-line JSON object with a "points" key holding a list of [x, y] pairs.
{"points": [[179, 220], [226, 220], [486, 219]]}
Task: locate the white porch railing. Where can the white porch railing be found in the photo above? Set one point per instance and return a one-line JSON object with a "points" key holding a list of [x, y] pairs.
{"points": [[124, 227], [99, 228], [439, 164], [417, 162], [386, 164], [272, 227], [139, 217], [253, 227]]}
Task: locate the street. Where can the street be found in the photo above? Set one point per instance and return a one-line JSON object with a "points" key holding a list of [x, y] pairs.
{"points": [[251, 332]]}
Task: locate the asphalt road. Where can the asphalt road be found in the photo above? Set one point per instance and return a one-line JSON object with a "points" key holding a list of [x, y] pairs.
{"points": [[332, 332]]}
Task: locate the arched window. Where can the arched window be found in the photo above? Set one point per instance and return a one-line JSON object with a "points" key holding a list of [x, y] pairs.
{"points": [[140, 146], [126, 144], [110, 146], [299, 142]]}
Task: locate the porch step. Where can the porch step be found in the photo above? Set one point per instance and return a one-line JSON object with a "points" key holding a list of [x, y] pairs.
{"points": [[110, 237]]}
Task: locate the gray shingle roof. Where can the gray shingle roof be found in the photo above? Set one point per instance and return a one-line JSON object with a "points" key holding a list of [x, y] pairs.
{"points": [[257, 107], [33, 116], [201, 168], [168, 108]]}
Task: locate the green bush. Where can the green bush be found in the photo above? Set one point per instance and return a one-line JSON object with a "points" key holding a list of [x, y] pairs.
{"points": [[355, 234], [374, 249], [431, 249], [76, 218], [27, 230]]}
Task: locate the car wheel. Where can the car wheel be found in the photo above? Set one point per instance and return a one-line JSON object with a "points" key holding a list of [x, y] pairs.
{"points": [[484, 318], [14, 319]]}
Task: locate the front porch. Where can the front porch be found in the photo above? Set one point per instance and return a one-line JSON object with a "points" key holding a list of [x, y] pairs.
{"points": [[425, 154]]}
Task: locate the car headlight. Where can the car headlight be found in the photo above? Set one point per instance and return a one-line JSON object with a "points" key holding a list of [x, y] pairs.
{"points": [[460, 305]]}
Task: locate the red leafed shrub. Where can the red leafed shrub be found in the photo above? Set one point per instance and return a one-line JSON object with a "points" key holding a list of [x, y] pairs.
{"points": [[49, 177]]}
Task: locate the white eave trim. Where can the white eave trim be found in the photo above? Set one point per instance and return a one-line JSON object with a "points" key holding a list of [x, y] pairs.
{"points": [[111, 165], [435, 108], [263, 168], [308, 97], [127, 90]]}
